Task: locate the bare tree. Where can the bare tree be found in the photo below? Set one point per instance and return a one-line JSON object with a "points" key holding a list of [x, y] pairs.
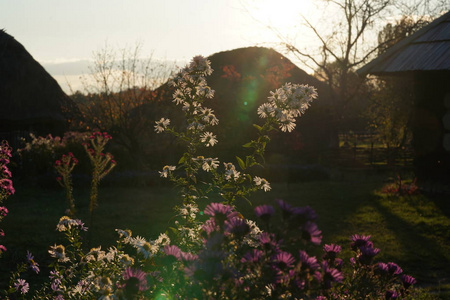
{"points": [[118, 84], [350, 40]]}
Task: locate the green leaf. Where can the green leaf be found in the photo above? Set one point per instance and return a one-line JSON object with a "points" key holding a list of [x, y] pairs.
{"points": [[174, 230], [182, 160], [257, 127], [240, 162], [248, 145]]}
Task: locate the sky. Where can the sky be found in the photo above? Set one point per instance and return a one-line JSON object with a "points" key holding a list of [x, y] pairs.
{"points": [[62, 35]]}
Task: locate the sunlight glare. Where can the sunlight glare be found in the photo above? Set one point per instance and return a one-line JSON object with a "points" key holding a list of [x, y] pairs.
{"points": [[282, 16]]}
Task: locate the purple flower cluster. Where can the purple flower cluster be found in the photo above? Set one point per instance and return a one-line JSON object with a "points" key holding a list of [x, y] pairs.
{"points": [[235, 261], [378, 280], [362, 245]]}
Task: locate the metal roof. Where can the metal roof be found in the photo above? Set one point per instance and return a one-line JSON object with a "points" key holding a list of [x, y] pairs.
{"points": [[426, 50]]}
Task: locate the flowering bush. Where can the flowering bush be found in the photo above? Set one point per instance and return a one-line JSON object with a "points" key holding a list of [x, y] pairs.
{"points": [[37, 156], [6, 185], [215, 252], [400, 188]]}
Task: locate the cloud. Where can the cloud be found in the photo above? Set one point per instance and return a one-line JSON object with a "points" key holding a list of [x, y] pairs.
{"points": [[76, 67]]}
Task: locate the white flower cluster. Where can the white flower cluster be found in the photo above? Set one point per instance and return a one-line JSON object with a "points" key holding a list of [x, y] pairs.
{"points": [[287, 103], [191, 91], [262, 183], [65, 223], [190, 210], [144, 247]]}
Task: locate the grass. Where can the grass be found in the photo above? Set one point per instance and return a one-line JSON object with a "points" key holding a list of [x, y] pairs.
{"points": [[412, 231]]}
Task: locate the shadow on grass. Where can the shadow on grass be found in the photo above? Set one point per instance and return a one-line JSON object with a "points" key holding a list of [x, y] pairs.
{"points": [[425, 248]]}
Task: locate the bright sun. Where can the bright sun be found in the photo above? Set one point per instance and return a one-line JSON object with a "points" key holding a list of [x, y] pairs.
{"points": [[282, 16]]}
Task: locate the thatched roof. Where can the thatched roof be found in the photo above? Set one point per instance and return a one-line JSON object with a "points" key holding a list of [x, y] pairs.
{"points": [[426, 50], [242, 80], [28, 94]]}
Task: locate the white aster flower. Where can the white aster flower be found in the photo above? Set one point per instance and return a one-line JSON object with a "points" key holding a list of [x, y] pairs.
{"points": [[143, 247], [209, 164], [59, 252], [161, 125], [166, 171], [265, 110], [162, 240], [204, 91], [209, 117], [200, 64], [195, 126], [209, 138], [178, 97], [262, 183], [232, 175], [125, 235]]}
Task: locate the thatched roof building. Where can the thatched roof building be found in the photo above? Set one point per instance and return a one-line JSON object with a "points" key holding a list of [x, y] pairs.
{"points": [[30, 99], [424, 57]]}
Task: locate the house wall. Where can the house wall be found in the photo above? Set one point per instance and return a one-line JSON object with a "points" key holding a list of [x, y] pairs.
{"points": [[432, 160]]}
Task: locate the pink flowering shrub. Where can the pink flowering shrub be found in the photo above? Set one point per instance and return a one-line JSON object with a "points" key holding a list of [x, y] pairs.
{"points": [[36, 158], [6, 185]]}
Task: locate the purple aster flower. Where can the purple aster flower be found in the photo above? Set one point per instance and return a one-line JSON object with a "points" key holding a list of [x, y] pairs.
{"points": [[21, 286], [34, 266], [311, 233], [134, 281], [381, 268], [210, 226], [394, 269], [283, 277], [219, 211], [172, 250], [268, 241], [367, 254], [253, 256], [264, 212], [408, 281], [80, 224], [56, 282], [2, 249], [237, 226], [283, 260], [188, 257], [304, 213], [285, 208], [308, 262], [321, 298], [360, 241], [330, 275], [2, 233], [331, 251], [391, 295]]}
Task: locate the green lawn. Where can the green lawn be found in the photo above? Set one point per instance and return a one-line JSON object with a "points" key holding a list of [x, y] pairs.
{"points": [[412, 231]]}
